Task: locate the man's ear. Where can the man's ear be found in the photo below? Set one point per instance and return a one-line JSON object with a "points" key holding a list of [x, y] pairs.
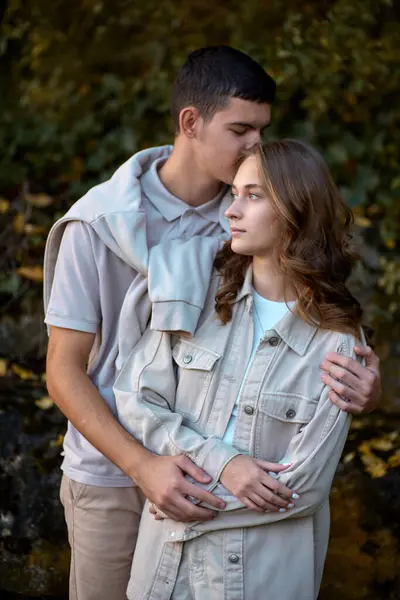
{"points": [[188, 121]]}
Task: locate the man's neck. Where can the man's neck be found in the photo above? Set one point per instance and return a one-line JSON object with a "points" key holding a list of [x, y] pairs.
{"points": [[269, 282], [183, 178]]}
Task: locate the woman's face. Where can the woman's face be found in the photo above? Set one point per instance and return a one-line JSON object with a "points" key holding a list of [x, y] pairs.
{"points": [[253, 221]]}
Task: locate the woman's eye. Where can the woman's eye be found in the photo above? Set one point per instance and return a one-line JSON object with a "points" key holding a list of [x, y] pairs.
{"points": [[253, 196]]}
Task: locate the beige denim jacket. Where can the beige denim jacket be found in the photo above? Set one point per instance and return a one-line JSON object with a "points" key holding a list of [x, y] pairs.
{"points": [[176, 396]]}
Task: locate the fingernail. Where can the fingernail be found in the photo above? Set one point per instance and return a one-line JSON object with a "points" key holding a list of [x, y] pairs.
{"points": [[295, 496], [282, 510], [222, 505], [290, 505], [286, 465]]}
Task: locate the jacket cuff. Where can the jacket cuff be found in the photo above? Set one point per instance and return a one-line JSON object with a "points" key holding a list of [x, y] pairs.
{"points": [[175, 316], [215, 459]]}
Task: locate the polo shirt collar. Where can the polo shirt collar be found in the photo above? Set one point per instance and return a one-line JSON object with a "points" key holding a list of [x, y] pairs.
{"points": [[172, 207]]}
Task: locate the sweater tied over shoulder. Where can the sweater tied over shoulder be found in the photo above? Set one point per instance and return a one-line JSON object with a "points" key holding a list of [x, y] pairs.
{"points": [[172, 278]]}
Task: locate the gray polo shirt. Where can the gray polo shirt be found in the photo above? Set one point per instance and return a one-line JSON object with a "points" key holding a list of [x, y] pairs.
{"points": [[88, 291]]}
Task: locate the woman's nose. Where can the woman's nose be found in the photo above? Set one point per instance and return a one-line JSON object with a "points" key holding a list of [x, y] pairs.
{"points": [[233, 211]]}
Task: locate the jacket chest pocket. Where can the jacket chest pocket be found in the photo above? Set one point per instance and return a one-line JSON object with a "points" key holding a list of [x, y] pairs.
{"points": [[195, 369], [281, 416]]}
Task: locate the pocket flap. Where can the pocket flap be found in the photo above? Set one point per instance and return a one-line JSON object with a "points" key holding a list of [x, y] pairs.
{"points": [[292, 408], [190, 356]]}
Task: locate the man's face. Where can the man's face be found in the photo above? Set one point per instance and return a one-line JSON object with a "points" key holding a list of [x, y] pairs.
{"points": [[221, 141]]}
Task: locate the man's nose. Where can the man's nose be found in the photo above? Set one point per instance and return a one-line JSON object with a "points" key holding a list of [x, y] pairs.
{"points": [[254, 139]]}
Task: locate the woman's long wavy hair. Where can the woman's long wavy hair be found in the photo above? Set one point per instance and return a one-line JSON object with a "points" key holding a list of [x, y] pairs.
{"points": [[314, 253]]}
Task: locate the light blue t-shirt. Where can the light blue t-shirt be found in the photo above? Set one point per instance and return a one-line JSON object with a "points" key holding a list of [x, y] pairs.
{"points": [[266, 314]]}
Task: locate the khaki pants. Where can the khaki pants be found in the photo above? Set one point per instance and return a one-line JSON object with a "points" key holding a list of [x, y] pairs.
{"points": [[102, 530]]}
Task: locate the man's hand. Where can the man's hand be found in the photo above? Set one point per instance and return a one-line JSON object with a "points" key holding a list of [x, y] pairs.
{"points": [[248, 480], [359, 388], [162, 480]]}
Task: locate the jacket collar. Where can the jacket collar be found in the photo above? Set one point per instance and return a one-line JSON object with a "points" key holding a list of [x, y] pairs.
{"points": [[293, 330]]}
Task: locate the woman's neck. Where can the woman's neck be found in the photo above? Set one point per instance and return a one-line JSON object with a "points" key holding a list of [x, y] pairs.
{"points": [[181, 175], [269, 281]]}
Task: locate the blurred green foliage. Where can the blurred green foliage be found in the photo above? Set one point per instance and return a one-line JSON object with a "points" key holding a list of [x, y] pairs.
{"points": [[86, 84]]}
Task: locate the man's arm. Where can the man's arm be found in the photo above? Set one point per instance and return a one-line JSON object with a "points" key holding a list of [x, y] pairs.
{"points": [[360, 386], [162, 479]]}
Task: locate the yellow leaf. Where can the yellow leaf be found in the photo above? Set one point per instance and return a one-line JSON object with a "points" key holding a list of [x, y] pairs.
{"points": [[19, 222], [382, 444], [3, 367], [34, 273], [30, 229], [391, 243], [4, 205], [362, 221], [374, 209], [374, 466], [58, 442], [22, 373], [394, 460], [44, 403], [348, 458], [358, 424], [364, 448], [39, 200]]}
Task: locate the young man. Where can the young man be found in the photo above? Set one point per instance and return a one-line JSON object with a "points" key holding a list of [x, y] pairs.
{"points": [[119, 249]]}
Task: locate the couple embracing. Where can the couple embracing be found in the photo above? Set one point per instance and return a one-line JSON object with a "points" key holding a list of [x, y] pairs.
{"points": [[207, 354]]}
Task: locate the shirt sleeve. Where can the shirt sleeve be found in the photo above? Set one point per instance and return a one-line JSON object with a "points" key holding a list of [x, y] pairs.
{"points": [[145, 398], [75, 297]]}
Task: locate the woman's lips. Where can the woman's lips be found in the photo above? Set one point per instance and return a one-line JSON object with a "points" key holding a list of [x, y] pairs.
{"points": [[235, 232]]}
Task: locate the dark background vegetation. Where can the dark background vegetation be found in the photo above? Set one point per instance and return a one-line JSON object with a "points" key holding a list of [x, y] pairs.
{"points": [[86, 83]]}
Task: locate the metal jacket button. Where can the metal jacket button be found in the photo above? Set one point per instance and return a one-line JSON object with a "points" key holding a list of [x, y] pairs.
{"points": [[290, 413], [234, 558], [249, 410], [187, 359], [274, 341]]}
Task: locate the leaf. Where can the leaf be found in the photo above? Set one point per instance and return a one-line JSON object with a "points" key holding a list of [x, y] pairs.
{"points": [[362, 221], [10, 285], [44, 403], [39, 200], [34, 273], [381, 444], [374, 466], [3, 367], [30, 229], [348, 458], [394, 460], [22, 373], [4, 205], [19, 222], [58, 442]]}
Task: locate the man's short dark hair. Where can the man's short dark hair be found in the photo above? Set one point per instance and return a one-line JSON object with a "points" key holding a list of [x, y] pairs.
{"points": [[212, 75]]}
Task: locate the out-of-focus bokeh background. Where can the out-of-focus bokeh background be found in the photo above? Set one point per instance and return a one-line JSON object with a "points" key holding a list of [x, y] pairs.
{"points": [[86, 83]]}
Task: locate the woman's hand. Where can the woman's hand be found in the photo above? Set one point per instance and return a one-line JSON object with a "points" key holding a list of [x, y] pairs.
{"points": [[248, 480]]}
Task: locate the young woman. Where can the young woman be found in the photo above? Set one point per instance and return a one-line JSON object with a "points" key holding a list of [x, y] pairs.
{"points": [[247, 389]]}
